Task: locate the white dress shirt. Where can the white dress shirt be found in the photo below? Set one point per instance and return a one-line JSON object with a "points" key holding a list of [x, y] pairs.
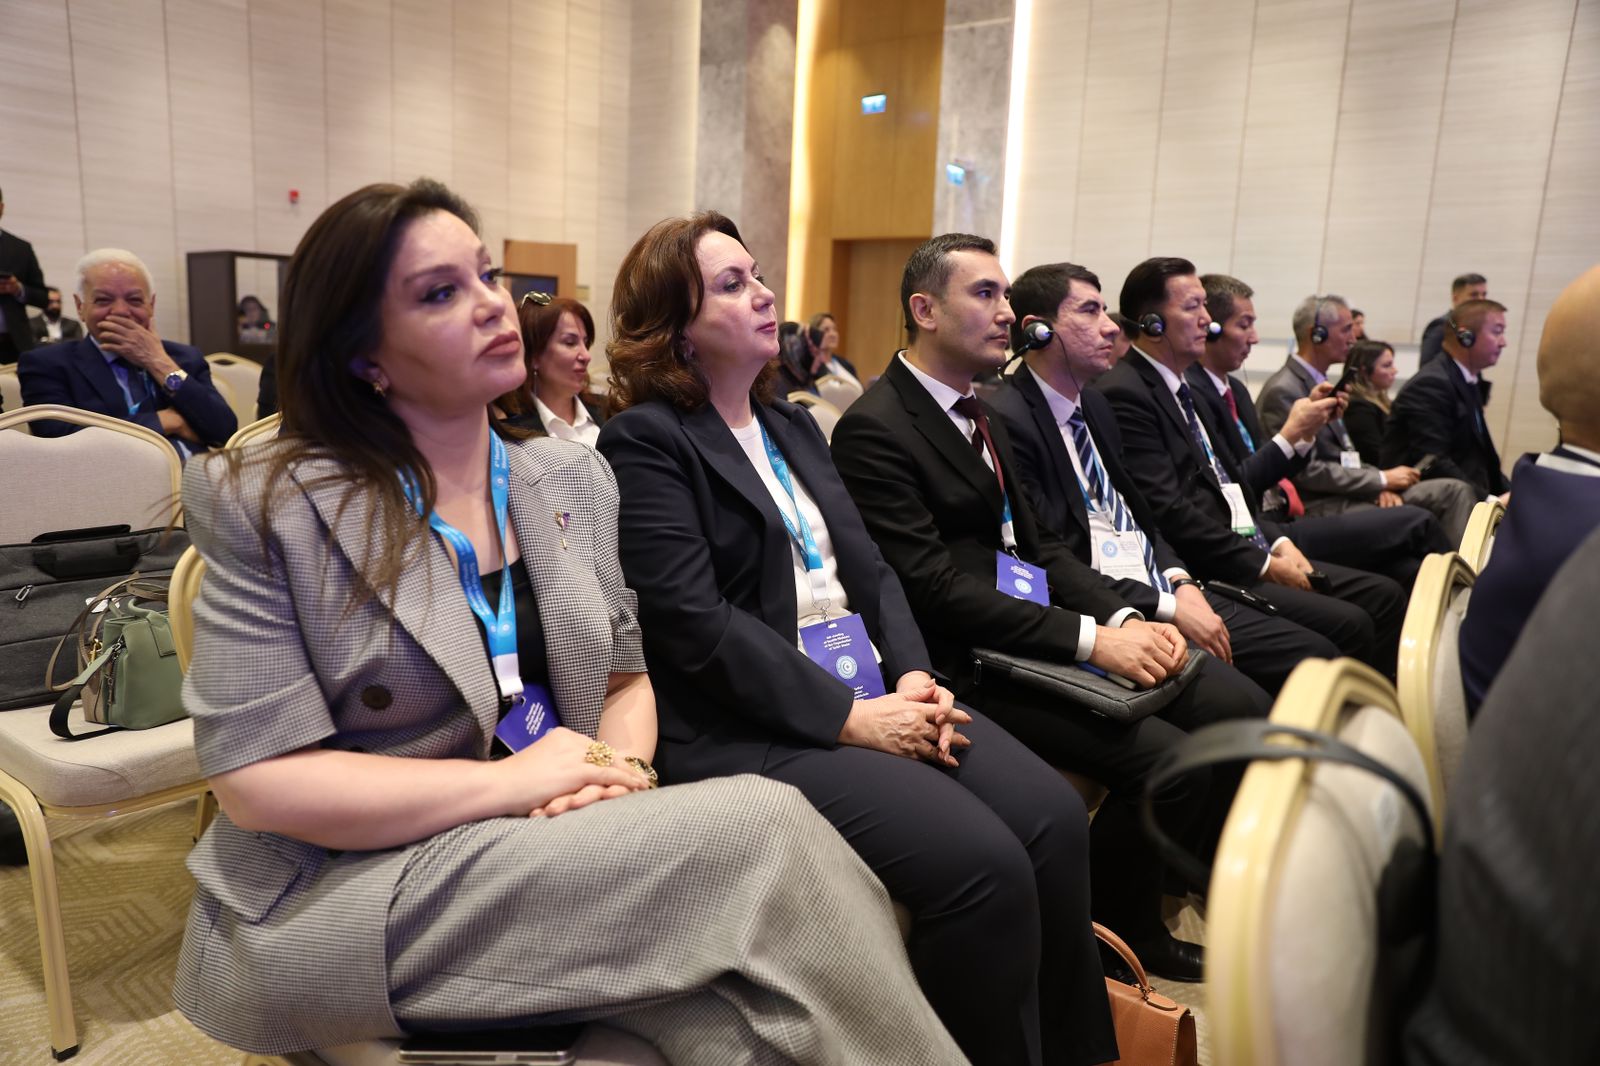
{"points": [[584, 430], [1289, 450]]}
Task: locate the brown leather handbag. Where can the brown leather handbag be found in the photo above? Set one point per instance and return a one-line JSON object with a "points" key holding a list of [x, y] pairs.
{"points": [[1152, 1030]]}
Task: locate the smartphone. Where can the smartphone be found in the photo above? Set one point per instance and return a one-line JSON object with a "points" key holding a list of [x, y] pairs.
{"points": [[1320, 582], [550, 1045], [1427, 461]]}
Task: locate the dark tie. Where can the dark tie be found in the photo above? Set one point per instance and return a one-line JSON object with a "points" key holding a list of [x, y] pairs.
{"points": [[972, 408], [1186, 401], [1109, 498], [138, 383], [1297, 506]]}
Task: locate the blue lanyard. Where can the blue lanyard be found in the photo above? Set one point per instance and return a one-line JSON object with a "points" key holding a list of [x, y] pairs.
{"points": [[802, 536], [500, 627]]}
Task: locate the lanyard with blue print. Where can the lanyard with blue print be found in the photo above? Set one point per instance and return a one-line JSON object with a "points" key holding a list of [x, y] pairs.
{"points": [[800, 534]]}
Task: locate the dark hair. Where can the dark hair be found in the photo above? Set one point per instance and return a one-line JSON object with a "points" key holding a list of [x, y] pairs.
{"points": [[332, 314], [1040, 290], [1356, 312], [1124, 323], [538, 323], [657, 293], [248, 300], [819, 318], [929, 268], [1357, 376], [1466, 280], [1145, 289], [1469, 314], [1221, 292]]}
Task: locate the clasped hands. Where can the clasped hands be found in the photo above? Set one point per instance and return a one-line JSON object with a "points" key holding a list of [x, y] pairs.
{"points": [[550, 776], [1145, 653], [917, 721]]}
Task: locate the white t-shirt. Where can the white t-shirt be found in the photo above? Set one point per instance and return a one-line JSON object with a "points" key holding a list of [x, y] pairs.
{"points": [[749, 438]]}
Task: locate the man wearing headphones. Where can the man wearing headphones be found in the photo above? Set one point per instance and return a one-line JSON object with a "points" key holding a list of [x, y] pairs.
{"points": [[1437, 420], [1200, 492], [1335, 480]]}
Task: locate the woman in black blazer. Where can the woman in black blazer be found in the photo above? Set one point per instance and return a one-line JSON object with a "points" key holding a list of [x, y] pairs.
{"points": [[1368, 375], [743, 545]]}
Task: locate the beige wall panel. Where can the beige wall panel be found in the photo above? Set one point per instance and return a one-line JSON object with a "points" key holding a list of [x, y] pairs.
{"points": [[288, 119], [661, 113], [613, 237], [1569, 231], [1507, 68], [1202, 132], [1121, 127], [422, 79], [119, 54], [360, 100], [38, 124], [1383, 166], [1290, 131], [480, 122], [213, 155], [581, 151], [1052, 135], [538, 105]]}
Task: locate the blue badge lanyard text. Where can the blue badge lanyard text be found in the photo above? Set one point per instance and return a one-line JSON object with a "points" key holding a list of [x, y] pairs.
{"points": [[799, 529], [499, 626]]}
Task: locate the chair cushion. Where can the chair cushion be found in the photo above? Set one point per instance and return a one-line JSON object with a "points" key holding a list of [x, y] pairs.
{"points": [[84, 773], [94, 477], [600, 1045]]}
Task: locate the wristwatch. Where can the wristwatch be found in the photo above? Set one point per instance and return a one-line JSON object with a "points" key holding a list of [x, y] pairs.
{"points": [[1182, 581], [174, 381]]}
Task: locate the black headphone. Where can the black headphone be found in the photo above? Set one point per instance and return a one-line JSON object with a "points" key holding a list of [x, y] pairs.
{"points": [[1319, 332], [1153, 325], [1036, 334], [1467, 337]]}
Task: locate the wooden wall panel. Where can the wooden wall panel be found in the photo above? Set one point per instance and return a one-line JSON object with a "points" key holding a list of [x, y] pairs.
{"points": [[871, 310]]}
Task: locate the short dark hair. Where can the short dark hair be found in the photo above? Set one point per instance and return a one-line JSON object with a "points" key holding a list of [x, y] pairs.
{"points": [[1040, 290], [1124, 323], [1145, 290], [1356, 312], [1471, 313], [1221, 292], [929, 269], [1467, 279]]}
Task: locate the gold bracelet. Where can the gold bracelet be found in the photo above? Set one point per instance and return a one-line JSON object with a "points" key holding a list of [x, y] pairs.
{"points": [[599, 754], [644, 768]]}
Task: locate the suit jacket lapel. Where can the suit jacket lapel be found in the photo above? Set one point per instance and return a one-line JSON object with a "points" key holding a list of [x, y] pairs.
{"points": [[935, 425], [1044, 421], [1168, 404], [441, 624], [94, 368]]}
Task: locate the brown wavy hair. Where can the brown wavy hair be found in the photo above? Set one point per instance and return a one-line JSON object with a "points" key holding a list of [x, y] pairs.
{"points": [[330, 316], [658, 292], [538, 323]]}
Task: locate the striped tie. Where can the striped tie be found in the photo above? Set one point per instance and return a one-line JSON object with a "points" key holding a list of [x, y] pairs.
{"points": [[1109, 499], [1186, 400]]}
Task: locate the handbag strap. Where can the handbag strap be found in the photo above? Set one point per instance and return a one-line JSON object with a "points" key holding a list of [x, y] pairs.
{"points": [[63, 707], [134, 584], [1246, 740]]}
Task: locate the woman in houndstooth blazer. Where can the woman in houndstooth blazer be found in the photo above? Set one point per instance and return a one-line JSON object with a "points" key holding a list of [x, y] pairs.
{"points": [[376, 869]]}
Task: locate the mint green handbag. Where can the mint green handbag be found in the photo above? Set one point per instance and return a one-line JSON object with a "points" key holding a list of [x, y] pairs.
{"points": [[128, 664]]}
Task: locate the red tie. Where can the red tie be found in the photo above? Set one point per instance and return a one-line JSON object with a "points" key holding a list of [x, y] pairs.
{"points": [[1297, 508], [972, 408]]}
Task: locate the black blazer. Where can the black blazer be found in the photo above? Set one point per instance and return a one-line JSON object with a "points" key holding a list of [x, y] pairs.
{"points": [[531, 419], [1263, 467], [71, 330], [1439, 413], [74, 373], [1052, 484], [704, 546], [17, 258], [934, 507], [1175, 477], [1365, 421]]}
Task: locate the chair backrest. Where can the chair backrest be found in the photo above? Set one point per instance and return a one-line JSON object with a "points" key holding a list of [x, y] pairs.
{"points": [[826, 415], [181, 595], [1293, 951], [243, 377], [109, 473], [255, 432], [841, 392], [11, 393], [1477, 541], [1433, 701]]}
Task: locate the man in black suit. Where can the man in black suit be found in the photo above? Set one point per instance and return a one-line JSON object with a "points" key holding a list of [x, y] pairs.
{"points": [[1439, 413], [21, 283], [1193, 480], [51, 327], [123, 368], [1069, 457], [934, 478], [1464, 288]]}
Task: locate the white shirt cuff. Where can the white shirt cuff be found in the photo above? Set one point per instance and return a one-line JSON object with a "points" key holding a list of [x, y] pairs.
{"points": [[1166, 607], [1268, 560], [1284, 446], [1086, 628]]}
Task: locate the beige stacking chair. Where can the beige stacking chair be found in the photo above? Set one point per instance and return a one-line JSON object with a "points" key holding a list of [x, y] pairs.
{"points": [[1432, 698]]}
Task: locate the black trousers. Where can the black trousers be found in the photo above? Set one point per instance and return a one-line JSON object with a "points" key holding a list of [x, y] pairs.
{"points": [[991, 858], [1127, 873], [1362, 617], [1266, 647], [1391, 541]]}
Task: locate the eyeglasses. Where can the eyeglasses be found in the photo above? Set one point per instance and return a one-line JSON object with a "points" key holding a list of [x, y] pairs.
{"points": [[535, 297]]}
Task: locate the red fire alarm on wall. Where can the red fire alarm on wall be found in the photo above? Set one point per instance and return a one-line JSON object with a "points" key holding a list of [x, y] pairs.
{"points": [[294, 196]]}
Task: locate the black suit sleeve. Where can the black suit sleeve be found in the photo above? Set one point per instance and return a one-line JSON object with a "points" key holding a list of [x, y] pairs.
{"points": [[739, 661], [267, 393], [44, 381], [199, 402], [1423, 423], [1363, 420], [956, 604]]}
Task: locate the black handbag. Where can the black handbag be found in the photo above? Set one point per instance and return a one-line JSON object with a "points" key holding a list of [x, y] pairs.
{"points": [[1083, 688], [45, 585]]}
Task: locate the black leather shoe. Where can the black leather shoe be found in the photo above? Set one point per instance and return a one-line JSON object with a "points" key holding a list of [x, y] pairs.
{"points": [[1166, 956]]}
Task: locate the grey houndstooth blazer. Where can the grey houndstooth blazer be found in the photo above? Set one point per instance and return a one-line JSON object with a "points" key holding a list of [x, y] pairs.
{"points": [[280, 666]]}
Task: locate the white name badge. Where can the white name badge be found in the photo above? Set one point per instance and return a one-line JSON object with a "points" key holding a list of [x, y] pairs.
{"points": [[1239, 516], [1118, 554], [1350, 460]]}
